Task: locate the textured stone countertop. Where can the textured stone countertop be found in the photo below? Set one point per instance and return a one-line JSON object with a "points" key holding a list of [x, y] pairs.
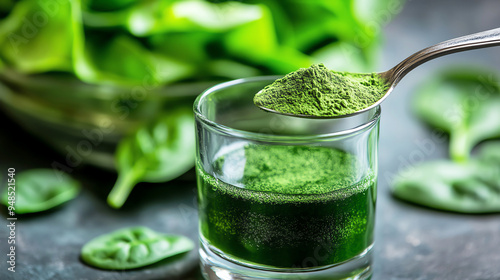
{"points": [[411, 242]]}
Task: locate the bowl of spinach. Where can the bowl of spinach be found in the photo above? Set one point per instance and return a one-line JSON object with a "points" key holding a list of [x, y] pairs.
{"points": [[86, 74]]}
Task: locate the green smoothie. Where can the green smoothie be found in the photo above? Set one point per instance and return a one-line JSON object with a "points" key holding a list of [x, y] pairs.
{"points": [[287, 206]]}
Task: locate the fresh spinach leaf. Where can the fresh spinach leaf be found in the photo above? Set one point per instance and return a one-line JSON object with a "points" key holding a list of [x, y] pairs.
{"points": [[156, 153], [38, 190], [124, 42], [122, 60], [36, 37], [471, 187], [132, 248], [465, 103]]}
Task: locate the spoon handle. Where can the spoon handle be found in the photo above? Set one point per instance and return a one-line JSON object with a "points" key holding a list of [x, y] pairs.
{"points": [[483, 39]]}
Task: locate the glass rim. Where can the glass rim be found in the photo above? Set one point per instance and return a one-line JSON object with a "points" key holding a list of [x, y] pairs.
{"points": [[270, 137]]}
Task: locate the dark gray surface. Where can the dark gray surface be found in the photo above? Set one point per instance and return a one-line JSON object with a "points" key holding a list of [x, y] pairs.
{"points": [[411, 242], [48, 244], [414, 242]]}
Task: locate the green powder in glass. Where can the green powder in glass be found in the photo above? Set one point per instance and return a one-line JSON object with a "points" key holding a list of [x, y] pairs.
{"points": [[281, 206], [319, 91], [293, 169]]}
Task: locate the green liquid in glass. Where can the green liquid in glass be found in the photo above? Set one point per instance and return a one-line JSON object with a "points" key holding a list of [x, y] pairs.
{"points": [[287, 206]]}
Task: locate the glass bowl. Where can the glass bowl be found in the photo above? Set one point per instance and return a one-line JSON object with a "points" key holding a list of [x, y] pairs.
{"points": [[83, 121]]}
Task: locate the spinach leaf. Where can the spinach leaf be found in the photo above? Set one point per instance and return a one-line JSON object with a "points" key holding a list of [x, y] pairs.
{"points": [[472, 187], [38, 190], [134, 247], [465, 103], [156, 153], [122, 60], [36, 37], [124, 42]]}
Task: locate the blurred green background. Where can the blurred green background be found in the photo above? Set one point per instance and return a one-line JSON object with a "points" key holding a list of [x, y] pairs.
{"points": [[68, 66]]}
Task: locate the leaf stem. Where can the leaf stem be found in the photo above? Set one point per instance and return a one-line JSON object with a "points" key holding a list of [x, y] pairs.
{"points": [[460, 145], [124, 184]]}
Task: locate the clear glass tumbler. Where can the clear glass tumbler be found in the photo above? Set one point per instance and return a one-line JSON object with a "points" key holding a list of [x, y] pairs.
{"points": [[282, 197]]}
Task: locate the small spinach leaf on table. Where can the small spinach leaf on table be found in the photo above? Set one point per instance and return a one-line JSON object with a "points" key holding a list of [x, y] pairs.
{"points": [[472, 187], [132, 248], [156, 153], [38, 190], [464, 103]]}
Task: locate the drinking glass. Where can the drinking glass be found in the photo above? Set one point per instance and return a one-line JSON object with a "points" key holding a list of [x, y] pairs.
{"points": [[282, 197]]}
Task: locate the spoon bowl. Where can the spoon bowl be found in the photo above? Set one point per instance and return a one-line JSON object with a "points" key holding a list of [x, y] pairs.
{"points": [[392, 76]]}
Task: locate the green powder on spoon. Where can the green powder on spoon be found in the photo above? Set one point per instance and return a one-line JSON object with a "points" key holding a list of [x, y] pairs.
{"points": [[319, 91]]}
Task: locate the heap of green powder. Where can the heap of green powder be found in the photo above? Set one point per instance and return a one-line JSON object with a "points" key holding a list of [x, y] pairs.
{"points": [[319, 91], [293, 169]]}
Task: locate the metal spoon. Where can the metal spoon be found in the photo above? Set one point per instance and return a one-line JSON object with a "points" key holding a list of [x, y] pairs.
{"points": [[479, 40]]}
